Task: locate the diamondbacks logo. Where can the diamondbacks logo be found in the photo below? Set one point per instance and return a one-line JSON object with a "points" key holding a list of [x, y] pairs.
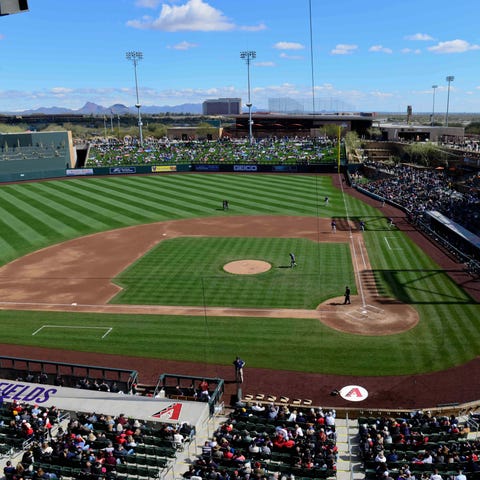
{"points": [[172, 412], [354, 393]]}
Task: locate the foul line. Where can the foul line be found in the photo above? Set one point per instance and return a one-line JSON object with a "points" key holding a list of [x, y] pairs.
{"points": [[108, 329], [352, 244]]}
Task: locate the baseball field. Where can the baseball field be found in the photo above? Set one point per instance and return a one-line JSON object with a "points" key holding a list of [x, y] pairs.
{"points": [[91, 265]]}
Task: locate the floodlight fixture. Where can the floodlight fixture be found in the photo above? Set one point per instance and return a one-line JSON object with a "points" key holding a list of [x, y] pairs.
{"points": [[434, 87], [248, 56], [135, 57], [449, 80]]}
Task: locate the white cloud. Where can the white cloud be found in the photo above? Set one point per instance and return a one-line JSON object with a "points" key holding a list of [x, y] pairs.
{"points": [[265, 64], [253, 28], [147, 3], [61, 90], [344, 49], [184, 46], [380, 48], [416, 51], [194, 15], [378, 94], [422, 37], [453, 46], [288, 46], [290, 57]]}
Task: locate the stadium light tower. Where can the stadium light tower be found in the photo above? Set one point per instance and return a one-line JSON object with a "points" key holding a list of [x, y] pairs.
{"points": [[434, 87], [248, 56], [449, 79], [135, 57]]}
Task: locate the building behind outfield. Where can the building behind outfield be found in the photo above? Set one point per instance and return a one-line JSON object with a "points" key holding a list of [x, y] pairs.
{"points": [[222, 106], [35, 155], [266, 124]]}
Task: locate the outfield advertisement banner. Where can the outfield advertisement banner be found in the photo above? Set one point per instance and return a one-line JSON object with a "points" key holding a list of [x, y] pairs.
{"points": [[206, 168], [285, 168], [164, 168], [245, 168], [77, 172], [134, 406], [122, 170]]}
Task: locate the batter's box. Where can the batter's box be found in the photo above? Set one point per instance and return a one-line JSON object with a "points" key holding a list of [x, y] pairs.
{"points": [[366, 311]]}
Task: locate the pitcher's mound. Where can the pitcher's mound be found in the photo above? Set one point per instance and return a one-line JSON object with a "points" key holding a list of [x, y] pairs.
{"points": [[247, 267]]}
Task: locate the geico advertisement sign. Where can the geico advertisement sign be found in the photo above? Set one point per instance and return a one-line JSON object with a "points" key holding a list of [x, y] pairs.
{"points": [[244, 168]]}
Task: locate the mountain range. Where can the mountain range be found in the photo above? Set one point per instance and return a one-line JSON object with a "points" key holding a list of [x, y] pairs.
{"points": [[118, 109]]}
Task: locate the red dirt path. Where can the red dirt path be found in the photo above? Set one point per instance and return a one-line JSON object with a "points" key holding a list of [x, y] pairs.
{"points": [[21, 282]]}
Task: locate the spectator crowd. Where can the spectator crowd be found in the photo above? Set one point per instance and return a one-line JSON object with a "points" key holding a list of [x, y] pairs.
{"points": [[269, 150], [421, 189]]}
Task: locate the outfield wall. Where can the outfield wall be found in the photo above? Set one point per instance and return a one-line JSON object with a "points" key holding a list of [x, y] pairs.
{"points": [[203, 168]]}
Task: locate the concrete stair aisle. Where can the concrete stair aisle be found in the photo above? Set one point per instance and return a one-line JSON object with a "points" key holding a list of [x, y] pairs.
{"points": [[348, 465], [192, 450]]}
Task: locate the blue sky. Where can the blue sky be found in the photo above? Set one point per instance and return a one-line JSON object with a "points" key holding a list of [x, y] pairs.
{"points": [[367, 56]]}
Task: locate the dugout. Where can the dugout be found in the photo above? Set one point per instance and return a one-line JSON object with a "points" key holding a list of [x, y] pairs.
{"points": [[188, 388], [459, 237], [68, 374], [35, 155]]}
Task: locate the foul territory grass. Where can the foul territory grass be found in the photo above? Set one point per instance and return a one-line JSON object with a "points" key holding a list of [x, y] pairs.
{"points": [[35, 215], [189, 271], [299, 345]]}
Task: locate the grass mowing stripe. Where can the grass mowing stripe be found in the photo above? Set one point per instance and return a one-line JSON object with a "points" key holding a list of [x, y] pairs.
{"points": [[80, 213], [157, 198], [125, 210], [189, 271], [421, 349], [267, 194], [212, 196], [15, 245], [416, 286], [19, 217], [53, 211], [465, 323], [184, 202], [152, 204]]}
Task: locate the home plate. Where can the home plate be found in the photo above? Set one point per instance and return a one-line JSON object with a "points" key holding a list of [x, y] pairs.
{"points": [[368, 311]]}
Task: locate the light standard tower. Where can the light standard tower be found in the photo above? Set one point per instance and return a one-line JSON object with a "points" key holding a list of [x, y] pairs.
{"points": [[449, 79], [433, 106], [135, 57], [248, 56]]}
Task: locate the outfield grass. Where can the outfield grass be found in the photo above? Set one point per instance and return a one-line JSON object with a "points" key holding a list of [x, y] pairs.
{"points": [[35, 215]]}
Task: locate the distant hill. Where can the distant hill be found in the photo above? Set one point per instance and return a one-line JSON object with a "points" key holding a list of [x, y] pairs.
{"points": [[91, 108]]}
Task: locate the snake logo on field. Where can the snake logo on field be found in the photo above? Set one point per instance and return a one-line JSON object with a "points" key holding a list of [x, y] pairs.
{"points": [[354, 393]]}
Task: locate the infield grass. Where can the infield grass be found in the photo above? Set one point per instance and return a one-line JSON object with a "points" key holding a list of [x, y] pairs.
{"points": [[35, 215], [189, 271]]}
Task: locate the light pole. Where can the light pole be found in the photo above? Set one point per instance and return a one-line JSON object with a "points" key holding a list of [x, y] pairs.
{"points": [[135, 57], [248, 56], [449, 79], [433, 106]]}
